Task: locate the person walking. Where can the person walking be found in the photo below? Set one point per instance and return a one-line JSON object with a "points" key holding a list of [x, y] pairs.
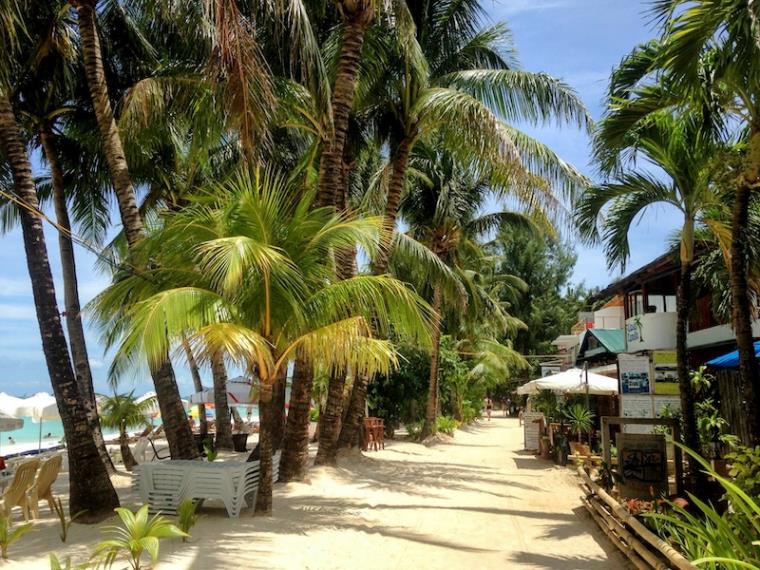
{"points": [[489, 407]]}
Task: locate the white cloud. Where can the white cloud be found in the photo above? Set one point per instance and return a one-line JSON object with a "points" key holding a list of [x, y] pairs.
{"points": [[10, 312], [511, 7], [96, 363], [14, 287]]}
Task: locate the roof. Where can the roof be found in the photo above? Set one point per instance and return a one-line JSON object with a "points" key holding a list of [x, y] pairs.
{"points": [[731, 360], [666, 263], [612, 339]]}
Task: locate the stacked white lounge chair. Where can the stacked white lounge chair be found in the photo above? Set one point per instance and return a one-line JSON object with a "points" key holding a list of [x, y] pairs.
{"points": [[164, 485]]}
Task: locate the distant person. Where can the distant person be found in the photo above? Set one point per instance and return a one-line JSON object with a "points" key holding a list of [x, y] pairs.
{"points": [[506, 403], [489, 407], [11, 440], [49, 435]]}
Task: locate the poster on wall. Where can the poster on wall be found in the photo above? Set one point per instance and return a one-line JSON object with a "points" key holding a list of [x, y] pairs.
{"points": [[637, 406], [666, 406], [665, 372], [634, 374]]}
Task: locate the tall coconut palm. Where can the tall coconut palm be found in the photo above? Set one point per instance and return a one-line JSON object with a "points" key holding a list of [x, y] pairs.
{"points": [[686, 153], [263, 292], [444, 211], [470, 84], [122, 412], [90, 487], [707, 59]]}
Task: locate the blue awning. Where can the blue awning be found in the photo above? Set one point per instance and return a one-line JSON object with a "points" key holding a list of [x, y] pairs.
{"points": [[731, 360]]}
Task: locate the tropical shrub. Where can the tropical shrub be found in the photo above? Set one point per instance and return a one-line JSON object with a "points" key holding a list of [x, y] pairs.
{"points": [[56, 564], [9, 535], [446, 424], [710, 539], [580, 418], [470, 412], [745, 469], [137, 535], [187, 516]]}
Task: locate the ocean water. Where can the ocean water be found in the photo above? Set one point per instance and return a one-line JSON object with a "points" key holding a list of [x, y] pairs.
{"points": [[52, 431]]}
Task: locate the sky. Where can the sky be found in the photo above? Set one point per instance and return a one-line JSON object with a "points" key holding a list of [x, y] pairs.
{"points": [[579, 41]]}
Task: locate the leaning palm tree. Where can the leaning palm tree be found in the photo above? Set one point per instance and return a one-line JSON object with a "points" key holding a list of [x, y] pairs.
{"points": [[687, 154], [91, 490], [122, 412], [468, 94], [261, 292]]}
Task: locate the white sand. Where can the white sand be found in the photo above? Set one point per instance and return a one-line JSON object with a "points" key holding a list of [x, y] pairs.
{"points": [[478, 502]]}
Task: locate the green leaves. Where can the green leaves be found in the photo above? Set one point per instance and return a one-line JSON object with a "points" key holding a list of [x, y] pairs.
{"points": [[138, 534]]}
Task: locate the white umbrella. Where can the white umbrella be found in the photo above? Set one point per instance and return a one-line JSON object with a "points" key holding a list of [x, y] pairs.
{"points": [[154, 410], [238, 394], [9, 404], [572, 381], [41, 407]]}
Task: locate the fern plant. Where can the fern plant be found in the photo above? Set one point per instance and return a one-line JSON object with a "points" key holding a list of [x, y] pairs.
{"points": [[10, 535], [187, 516], [137, 535]]}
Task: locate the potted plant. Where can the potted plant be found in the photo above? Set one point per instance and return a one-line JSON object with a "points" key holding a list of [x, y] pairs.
{"points": [[581, 420]]}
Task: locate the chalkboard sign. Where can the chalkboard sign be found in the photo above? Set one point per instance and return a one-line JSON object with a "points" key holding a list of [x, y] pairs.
{"points": [[532, 422], [643, 465]]}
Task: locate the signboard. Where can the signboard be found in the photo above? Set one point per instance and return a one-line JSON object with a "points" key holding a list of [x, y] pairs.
{"points": [[550, 369], [634, 374], [637, 406], [672, 403], [532, 422], [632, 332], [642, 464], [665, 372]]}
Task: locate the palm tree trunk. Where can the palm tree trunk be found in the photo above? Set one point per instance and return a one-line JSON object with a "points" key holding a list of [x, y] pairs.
{"points": [[163, 377], [295, 446], [357, 17], [278, 408], [221, 404], [126, 453], [330, 421], [179, 436], [431, 410], [267, 416], [683, 300], [77, 341], [197, 384], [742, 310], [349, 433], [90, 489], [112, 147], [395, 191]]}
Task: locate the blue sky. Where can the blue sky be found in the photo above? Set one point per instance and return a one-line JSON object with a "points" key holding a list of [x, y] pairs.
{"points": [[579, 41]]}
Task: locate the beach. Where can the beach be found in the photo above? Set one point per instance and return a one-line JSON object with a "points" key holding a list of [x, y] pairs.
{"points": [[476, 501]]}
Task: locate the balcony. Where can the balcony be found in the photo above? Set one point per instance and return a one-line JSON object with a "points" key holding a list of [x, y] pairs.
{"points": [[650, 331]]}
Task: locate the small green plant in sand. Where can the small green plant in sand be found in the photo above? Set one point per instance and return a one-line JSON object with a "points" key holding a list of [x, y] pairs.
{"points": [[56, 564], [138, 534], [187, 516], [9, 535], [208, 448], [445, 424], [65, 523]]}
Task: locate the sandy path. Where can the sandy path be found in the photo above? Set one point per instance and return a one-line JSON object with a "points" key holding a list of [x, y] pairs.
{"points": [[478, 502]]}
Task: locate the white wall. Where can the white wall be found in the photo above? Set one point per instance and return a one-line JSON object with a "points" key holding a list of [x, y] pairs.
{"points": [[658, 331]]}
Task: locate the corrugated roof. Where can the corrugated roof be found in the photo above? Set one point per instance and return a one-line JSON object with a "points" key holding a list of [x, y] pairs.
{"points": [[612, 339]]}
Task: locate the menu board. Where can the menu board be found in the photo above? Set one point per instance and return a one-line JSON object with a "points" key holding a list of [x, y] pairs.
{"points": [[532, 422], [642, 464], [637, 406], [634, 374]]}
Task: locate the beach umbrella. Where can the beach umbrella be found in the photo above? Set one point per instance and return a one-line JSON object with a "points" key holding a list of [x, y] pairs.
{"points": [[10, 404], [41, 407], [572, 381], [154, 411], [238, 394]]}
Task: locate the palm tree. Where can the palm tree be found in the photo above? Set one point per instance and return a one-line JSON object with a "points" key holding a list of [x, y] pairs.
{"points": [[443, 210], [122, 412], [263, 292], [706, 59], [686, 153], [90, 487], [471, 82]]}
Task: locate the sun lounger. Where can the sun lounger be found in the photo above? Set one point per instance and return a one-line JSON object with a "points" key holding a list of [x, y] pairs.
{"points": [[163, 486], [15, 494], [42, 490]]}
